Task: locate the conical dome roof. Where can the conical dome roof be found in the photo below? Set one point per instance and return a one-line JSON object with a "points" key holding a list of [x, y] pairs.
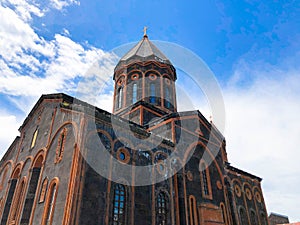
{"points": [[145, 50]]}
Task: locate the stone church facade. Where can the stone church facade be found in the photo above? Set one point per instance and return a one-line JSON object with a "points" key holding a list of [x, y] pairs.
{"points": [[143, 164]]}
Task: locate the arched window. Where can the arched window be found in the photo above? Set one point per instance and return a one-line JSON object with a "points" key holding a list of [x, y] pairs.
{"points": [[120, 97], [205, 178], [17, 203], [50, 202], [10, 195], [43, 190], [31, 193], [119, 205], [253, 218], [167, 97], [152, 93], [3, 179], [243, 216], [161, 209], [193, 211], [134, 93], [224, 213], [263, 219], [60, 145]]}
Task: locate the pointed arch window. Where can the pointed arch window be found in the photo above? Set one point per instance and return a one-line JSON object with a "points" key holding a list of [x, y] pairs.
{"points": [[162, 208], [205, 180], [120, 97], [50, 202], [134, 93], [152, 93], [119, 204]]}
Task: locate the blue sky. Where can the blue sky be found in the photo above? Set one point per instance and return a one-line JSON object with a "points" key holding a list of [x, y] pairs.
{"points": [[253, 48]]}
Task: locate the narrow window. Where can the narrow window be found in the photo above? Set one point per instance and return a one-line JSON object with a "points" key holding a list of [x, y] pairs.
{"points": [[161, 208], [224, 213], [34, 137], [263, 219], [253, 218], [167, 98], [50, 204], [31, 193], [17, 203], [205, 178], [134, 93], [119, 205], [3, 178], [9, 199], [193, 211], [243, 217], [43, 190], [205, 185], [60, 145], [152, 93], [120, 96]]}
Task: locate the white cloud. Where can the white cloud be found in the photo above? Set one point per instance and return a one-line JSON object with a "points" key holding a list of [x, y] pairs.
{"points": [[8, 130], [60, 4], [24, 8], [31, 66], [44, 66], [263, 129]]}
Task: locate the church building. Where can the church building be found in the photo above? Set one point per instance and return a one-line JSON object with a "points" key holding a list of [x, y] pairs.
{"points": [[143, 164]]}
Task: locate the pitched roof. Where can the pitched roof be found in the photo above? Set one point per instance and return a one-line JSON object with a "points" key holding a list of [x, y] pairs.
{"points": [[145, 50]]}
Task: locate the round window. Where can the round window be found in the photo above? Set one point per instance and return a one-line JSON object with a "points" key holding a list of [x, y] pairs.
{"points": [[123, 155], [152, 76], [135, 77]]}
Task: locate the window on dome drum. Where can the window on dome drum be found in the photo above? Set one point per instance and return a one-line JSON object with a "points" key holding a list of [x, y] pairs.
{"points": [[119, 203], [152, 93], [205, 178], [120, 97], [243, 216], [161, 209], [167, 98], [134, 93], [34, 137], [50, 203]]}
